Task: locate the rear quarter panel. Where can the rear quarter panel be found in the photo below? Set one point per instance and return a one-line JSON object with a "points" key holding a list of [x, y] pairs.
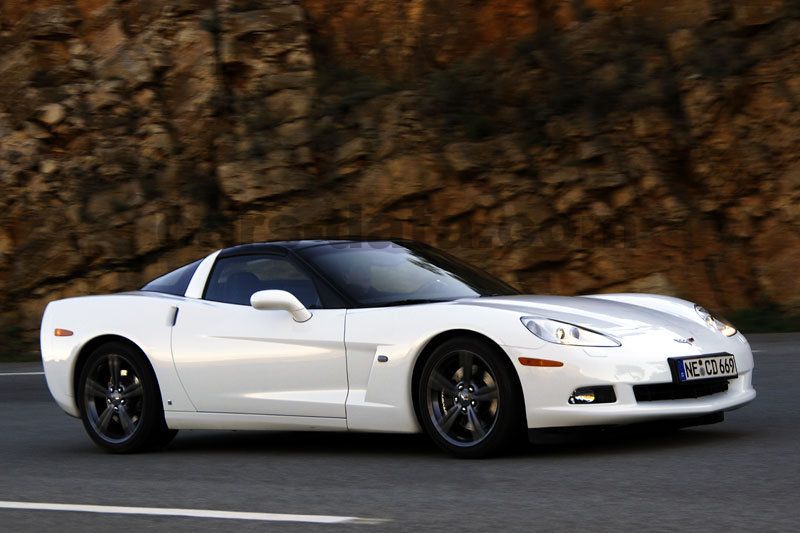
{"points": [[142, 318]]}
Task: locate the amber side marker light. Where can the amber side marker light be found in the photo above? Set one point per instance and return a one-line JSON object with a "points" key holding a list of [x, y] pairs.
{"points": [[63, 332], [532, 361]]}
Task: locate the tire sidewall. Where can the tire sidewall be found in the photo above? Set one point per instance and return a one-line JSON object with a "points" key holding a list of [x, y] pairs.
{"points": [[507, 423]]}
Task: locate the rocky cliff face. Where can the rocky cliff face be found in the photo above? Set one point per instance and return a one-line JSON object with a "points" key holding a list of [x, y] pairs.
{"points": [[569, 146]]}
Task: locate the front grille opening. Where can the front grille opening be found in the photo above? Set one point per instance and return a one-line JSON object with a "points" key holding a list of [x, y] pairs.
{"points": [[678, 391]]}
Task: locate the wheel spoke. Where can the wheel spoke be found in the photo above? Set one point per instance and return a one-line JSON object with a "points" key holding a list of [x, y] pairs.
{"points": [[96, 389], [462, 393], [133, 391], [485, 394], [438, 381], [450, 418], [465, 359], [113, 368], [125, 420], [476, 428], [105, 418]]}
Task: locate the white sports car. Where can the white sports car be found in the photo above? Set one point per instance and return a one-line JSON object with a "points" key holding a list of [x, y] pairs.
{"points": [[391, 336]]}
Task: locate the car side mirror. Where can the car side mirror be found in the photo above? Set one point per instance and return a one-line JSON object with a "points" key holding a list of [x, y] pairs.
{"points": [[280, 300]]}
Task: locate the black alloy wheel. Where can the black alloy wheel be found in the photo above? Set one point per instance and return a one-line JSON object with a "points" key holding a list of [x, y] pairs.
{"points": [[467, 399], [120, 402]]}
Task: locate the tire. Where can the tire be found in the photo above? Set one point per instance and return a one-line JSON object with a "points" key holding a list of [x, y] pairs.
{"points": [[479, 416], [120, 401]]}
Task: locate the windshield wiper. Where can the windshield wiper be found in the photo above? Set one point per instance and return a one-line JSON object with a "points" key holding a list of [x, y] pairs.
{"points": [[410, 301]]}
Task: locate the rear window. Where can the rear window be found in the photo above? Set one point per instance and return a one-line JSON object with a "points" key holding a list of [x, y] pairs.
{"points": [[176, 282]]}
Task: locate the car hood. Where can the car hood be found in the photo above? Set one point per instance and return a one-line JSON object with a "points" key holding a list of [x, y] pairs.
{"points": [[619, 319]]}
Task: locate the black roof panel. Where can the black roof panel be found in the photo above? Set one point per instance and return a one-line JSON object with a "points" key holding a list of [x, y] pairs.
{"points": [[276, 246]]}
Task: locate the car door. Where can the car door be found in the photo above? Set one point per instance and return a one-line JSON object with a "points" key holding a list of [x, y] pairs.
{"points": [[232, 358]]}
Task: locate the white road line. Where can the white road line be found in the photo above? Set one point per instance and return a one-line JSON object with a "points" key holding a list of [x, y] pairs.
{"points": [[22, 374], [192, 513]]}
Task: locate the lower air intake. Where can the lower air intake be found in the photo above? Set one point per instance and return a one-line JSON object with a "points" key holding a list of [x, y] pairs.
{"points": [[678, 391]]}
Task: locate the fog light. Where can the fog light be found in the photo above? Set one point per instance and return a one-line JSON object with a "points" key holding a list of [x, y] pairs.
{"points": [[587, 395], [582, 397]]}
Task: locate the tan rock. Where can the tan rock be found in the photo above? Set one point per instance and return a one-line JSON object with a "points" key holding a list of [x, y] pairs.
{"points": [[293, 133], [752, 205], [52, 114], [299, 59], [107, 41], [605, 180], [105, 204], [262, 20], [48, 166], [289, 105], [572, 282], [756, 12], [777, 271], [6, 244], [246, 182], [571, 198], [53, 22], [152, 233], [112, 282], [789, 181], [129, 65], [103, 98], [651, 182], [601, 210], [681, 45], [739, 222], [352, 150], [675, 13], [514, 156], [464, 157], [656, 283], [590, 150], [623, 197], [698, 103], [560, 175]]}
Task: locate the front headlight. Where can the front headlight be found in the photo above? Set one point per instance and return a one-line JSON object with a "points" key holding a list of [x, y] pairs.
{"points": [[716, 323], [565, 333]]}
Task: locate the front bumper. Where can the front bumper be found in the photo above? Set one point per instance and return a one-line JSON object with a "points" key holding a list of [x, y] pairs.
{"points": [[567, 434], [547, 390]]}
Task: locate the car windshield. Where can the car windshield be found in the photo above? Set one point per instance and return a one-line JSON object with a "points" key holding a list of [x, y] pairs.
{"points": [[381, 273]]}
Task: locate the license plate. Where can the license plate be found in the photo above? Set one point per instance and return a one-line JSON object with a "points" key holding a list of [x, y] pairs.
{"points": [[704, 367]]}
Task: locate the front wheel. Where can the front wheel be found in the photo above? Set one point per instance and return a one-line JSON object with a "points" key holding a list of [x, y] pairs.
{"points": [[468, 401], [120, 401]]}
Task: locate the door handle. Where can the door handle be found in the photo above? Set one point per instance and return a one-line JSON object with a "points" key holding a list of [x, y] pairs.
{"points": [[172, 317]]}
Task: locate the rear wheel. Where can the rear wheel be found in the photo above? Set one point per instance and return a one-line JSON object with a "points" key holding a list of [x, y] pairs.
{"points": [[468, 400], [120, 402]]}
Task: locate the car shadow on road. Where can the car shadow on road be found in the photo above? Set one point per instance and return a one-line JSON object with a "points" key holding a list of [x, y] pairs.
{"points": [[612, 441], [291, 443], [632, 440]]}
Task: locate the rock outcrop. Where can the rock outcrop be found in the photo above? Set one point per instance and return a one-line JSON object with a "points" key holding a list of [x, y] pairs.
{"points": [[568, 146]]}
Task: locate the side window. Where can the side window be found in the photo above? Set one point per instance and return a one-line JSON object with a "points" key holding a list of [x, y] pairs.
{"points": [[234, 279], [175, 282]]}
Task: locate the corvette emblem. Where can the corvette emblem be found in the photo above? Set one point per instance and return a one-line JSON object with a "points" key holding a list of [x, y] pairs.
{"points": [[688, 340]]}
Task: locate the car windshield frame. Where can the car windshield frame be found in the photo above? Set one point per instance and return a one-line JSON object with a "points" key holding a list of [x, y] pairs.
{"points": [[475, 281]]}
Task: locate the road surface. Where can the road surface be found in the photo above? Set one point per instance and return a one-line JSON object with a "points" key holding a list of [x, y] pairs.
{"points": [[743, 474]]}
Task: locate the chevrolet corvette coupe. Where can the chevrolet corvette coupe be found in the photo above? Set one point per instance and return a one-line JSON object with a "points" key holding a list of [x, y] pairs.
{"points": [[380, 336]]}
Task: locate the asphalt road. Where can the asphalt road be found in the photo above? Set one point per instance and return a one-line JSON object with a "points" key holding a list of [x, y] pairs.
{"points": [[743, 474]]}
